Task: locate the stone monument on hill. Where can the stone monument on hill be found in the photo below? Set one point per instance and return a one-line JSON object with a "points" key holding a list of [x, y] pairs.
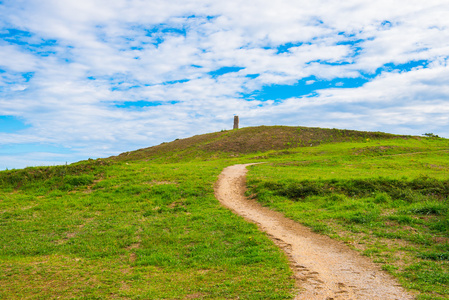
{"points": [[236, 122]]}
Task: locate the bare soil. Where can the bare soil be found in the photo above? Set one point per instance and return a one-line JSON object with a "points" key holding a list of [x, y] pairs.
{"points": [[323, 268]]}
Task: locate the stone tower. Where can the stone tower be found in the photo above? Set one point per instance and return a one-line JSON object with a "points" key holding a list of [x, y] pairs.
{"points": [[236, 122]]}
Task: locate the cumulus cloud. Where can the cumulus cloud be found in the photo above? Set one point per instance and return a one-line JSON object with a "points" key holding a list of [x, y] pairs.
{"points": [[101, 77]]}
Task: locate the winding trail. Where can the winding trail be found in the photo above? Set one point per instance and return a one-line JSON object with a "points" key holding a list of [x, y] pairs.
{"points": [[323, 268]]}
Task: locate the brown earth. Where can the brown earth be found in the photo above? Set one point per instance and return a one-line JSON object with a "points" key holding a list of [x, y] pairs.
{"points": [[323, 268]]}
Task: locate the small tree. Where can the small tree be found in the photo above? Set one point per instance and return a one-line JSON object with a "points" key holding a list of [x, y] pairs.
{"points": [[431, 135]]}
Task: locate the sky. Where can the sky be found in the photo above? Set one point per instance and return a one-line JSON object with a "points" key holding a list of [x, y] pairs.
{"points": [[86, 79]]}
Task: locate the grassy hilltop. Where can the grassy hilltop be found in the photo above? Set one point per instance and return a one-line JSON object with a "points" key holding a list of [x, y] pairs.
{"points": [[146, 225], [250, 140]]}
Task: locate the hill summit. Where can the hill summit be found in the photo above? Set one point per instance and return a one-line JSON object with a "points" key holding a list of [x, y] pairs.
{"points": [[249, 140]]}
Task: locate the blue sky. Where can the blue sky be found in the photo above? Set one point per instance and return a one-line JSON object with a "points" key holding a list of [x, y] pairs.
{"points": [[94, 78]]}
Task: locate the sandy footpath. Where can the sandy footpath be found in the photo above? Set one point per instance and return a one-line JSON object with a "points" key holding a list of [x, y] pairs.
{"points": [[324, 268]]}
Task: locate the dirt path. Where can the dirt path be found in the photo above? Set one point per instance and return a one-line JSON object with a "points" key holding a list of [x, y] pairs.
{"points": [[324, 268]]}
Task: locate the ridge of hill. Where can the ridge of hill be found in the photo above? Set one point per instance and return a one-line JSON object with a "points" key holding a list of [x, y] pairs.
{"points": [[249, 140], [211, 146]]}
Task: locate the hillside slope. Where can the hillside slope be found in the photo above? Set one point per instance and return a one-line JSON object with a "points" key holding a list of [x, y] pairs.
{"points": [[146, 225], [249, 140]]}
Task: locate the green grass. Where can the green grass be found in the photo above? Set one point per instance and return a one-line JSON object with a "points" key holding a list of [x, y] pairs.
{"points": [[146, 224], [391, 205], [132, 231]]}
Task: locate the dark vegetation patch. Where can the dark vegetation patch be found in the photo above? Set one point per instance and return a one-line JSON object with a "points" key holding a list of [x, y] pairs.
{"points": [[436, 256], [411, 191], [66, 177]]}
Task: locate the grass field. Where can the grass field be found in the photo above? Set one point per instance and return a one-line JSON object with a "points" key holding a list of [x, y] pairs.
{"points": [[133, 231], [146, 224], [387, 199]]}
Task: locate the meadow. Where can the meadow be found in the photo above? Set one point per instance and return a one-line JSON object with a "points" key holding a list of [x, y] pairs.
{"points": [[146, 224], [386, 199], [131, 231]]}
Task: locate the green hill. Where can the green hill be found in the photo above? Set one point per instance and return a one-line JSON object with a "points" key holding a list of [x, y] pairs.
{"points": [[146, 225], [249, 140]]}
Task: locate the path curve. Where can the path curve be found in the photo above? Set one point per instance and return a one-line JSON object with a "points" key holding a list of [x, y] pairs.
{"points": [[323, 268]]}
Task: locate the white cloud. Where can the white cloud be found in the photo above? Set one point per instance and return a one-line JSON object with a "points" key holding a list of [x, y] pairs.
{"points": [[100, 53], [15, 60]]}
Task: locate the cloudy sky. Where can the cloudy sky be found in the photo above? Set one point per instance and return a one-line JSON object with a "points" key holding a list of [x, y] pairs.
{"points": [[93, 78]]}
